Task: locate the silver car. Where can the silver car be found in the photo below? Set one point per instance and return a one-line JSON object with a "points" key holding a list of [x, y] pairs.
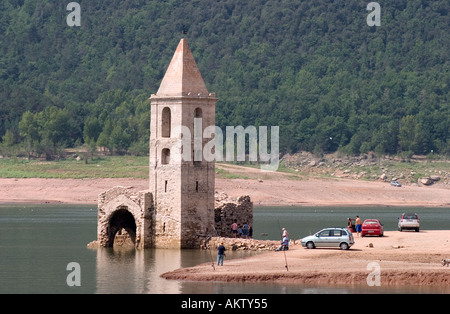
{"points": [[330, 237], [409, 221]]}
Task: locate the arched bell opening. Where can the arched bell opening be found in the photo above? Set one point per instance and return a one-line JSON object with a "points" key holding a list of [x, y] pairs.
{"points": [[166, 122], [121, 223]]}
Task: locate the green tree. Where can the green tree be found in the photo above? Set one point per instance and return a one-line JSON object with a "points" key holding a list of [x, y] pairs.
{"points": [[422, 140], [53, 125], [92, 130], [8, 139], [104, 139], [406, 133], [270, 63], [7, 144], [120, 139], [29, 130]]}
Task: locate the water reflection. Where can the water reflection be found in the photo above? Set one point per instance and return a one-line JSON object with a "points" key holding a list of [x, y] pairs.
{"points": [[126, 270], [120, 270]]}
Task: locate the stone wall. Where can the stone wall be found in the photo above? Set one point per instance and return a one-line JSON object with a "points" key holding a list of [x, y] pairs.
{"points": [[125, 215], [121, 208], [228, 210], [233, 244]]}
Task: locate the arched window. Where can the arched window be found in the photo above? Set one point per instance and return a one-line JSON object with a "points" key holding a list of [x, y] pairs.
{"points": [[165, 156], [198, 113], [166, 122]]}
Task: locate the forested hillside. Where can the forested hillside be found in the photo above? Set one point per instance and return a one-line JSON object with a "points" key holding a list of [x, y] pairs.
{"points": [[313, 67]]}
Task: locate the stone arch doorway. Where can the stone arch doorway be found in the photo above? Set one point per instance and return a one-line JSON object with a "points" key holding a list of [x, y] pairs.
{"points": [[121, 219], [120, 209]]}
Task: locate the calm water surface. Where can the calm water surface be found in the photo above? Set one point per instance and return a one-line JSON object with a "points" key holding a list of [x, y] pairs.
{"points": [[37, 242]]}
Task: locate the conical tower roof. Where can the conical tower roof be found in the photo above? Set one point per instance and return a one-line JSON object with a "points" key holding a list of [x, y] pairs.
{"points": [[182, 77]]}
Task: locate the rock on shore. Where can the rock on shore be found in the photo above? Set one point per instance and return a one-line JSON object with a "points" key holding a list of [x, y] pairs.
{"points": [[233, 244]]}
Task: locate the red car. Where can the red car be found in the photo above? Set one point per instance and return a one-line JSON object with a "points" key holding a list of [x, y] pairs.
{"points": [[372, 227]]}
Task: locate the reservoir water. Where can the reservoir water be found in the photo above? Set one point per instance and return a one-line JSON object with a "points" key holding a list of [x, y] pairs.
{"points": [[38, 243]]}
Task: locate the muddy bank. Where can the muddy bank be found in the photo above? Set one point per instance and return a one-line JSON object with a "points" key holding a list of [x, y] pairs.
{"points": [[276, 189]]}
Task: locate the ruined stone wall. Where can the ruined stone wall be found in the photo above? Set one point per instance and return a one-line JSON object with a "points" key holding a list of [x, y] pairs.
{"points": [[228, 210], [138, 204], [232, 244]]}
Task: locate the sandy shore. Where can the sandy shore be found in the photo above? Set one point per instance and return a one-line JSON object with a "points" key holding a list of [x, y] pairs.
{"points": [[403, 258], [264, 188], [67, 191]]}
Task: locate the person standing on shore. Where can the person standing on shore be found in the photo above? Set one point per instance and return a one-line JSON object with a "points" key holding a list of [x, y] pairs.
{"points": [[245, 231], [358, 223], [220, 254], [284, 244], [239, 232], [234, 228], [351, 226], [284, 233]]}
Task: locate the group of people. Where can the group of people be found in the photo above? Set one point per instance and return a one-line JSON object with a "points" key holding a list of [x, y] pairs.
{"points": [[357, 227], [246, 231]]}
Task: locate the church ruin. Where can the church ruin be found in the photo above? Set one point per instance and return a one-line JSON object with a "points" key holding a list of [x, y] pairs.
{"points": [[179, 209]]}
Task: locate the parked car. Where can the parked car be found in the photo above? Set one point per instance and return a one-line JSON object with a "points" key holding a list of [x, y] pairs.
{"points": [[372, 227], [329, 237], [396, 183], [409, 221]]}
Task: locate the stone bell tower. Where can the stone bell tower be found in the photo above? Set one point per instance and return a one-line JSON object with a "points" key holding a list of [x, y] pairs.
{"points": [[181, 180]]}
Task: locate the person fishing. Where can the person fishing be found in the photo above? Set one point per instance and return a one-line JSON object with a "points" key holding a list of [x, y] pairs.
{"points": [[220, 254], [284, 244]]}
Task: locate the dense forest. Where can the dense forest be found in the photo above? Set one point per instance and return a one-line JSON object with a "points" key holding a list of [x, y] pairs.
{"points": [[315, 68]]}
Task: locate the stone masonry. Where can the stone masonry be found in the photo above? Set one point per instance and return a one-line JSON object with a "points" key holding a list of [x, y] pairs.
{"points": [[121, 209], [179, 209], [182, 188], [228, 210]]}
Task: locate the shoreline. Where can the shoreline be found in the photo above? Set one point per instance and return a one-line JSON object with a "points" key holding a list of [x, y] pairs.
{"points": [[417, 261]]}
